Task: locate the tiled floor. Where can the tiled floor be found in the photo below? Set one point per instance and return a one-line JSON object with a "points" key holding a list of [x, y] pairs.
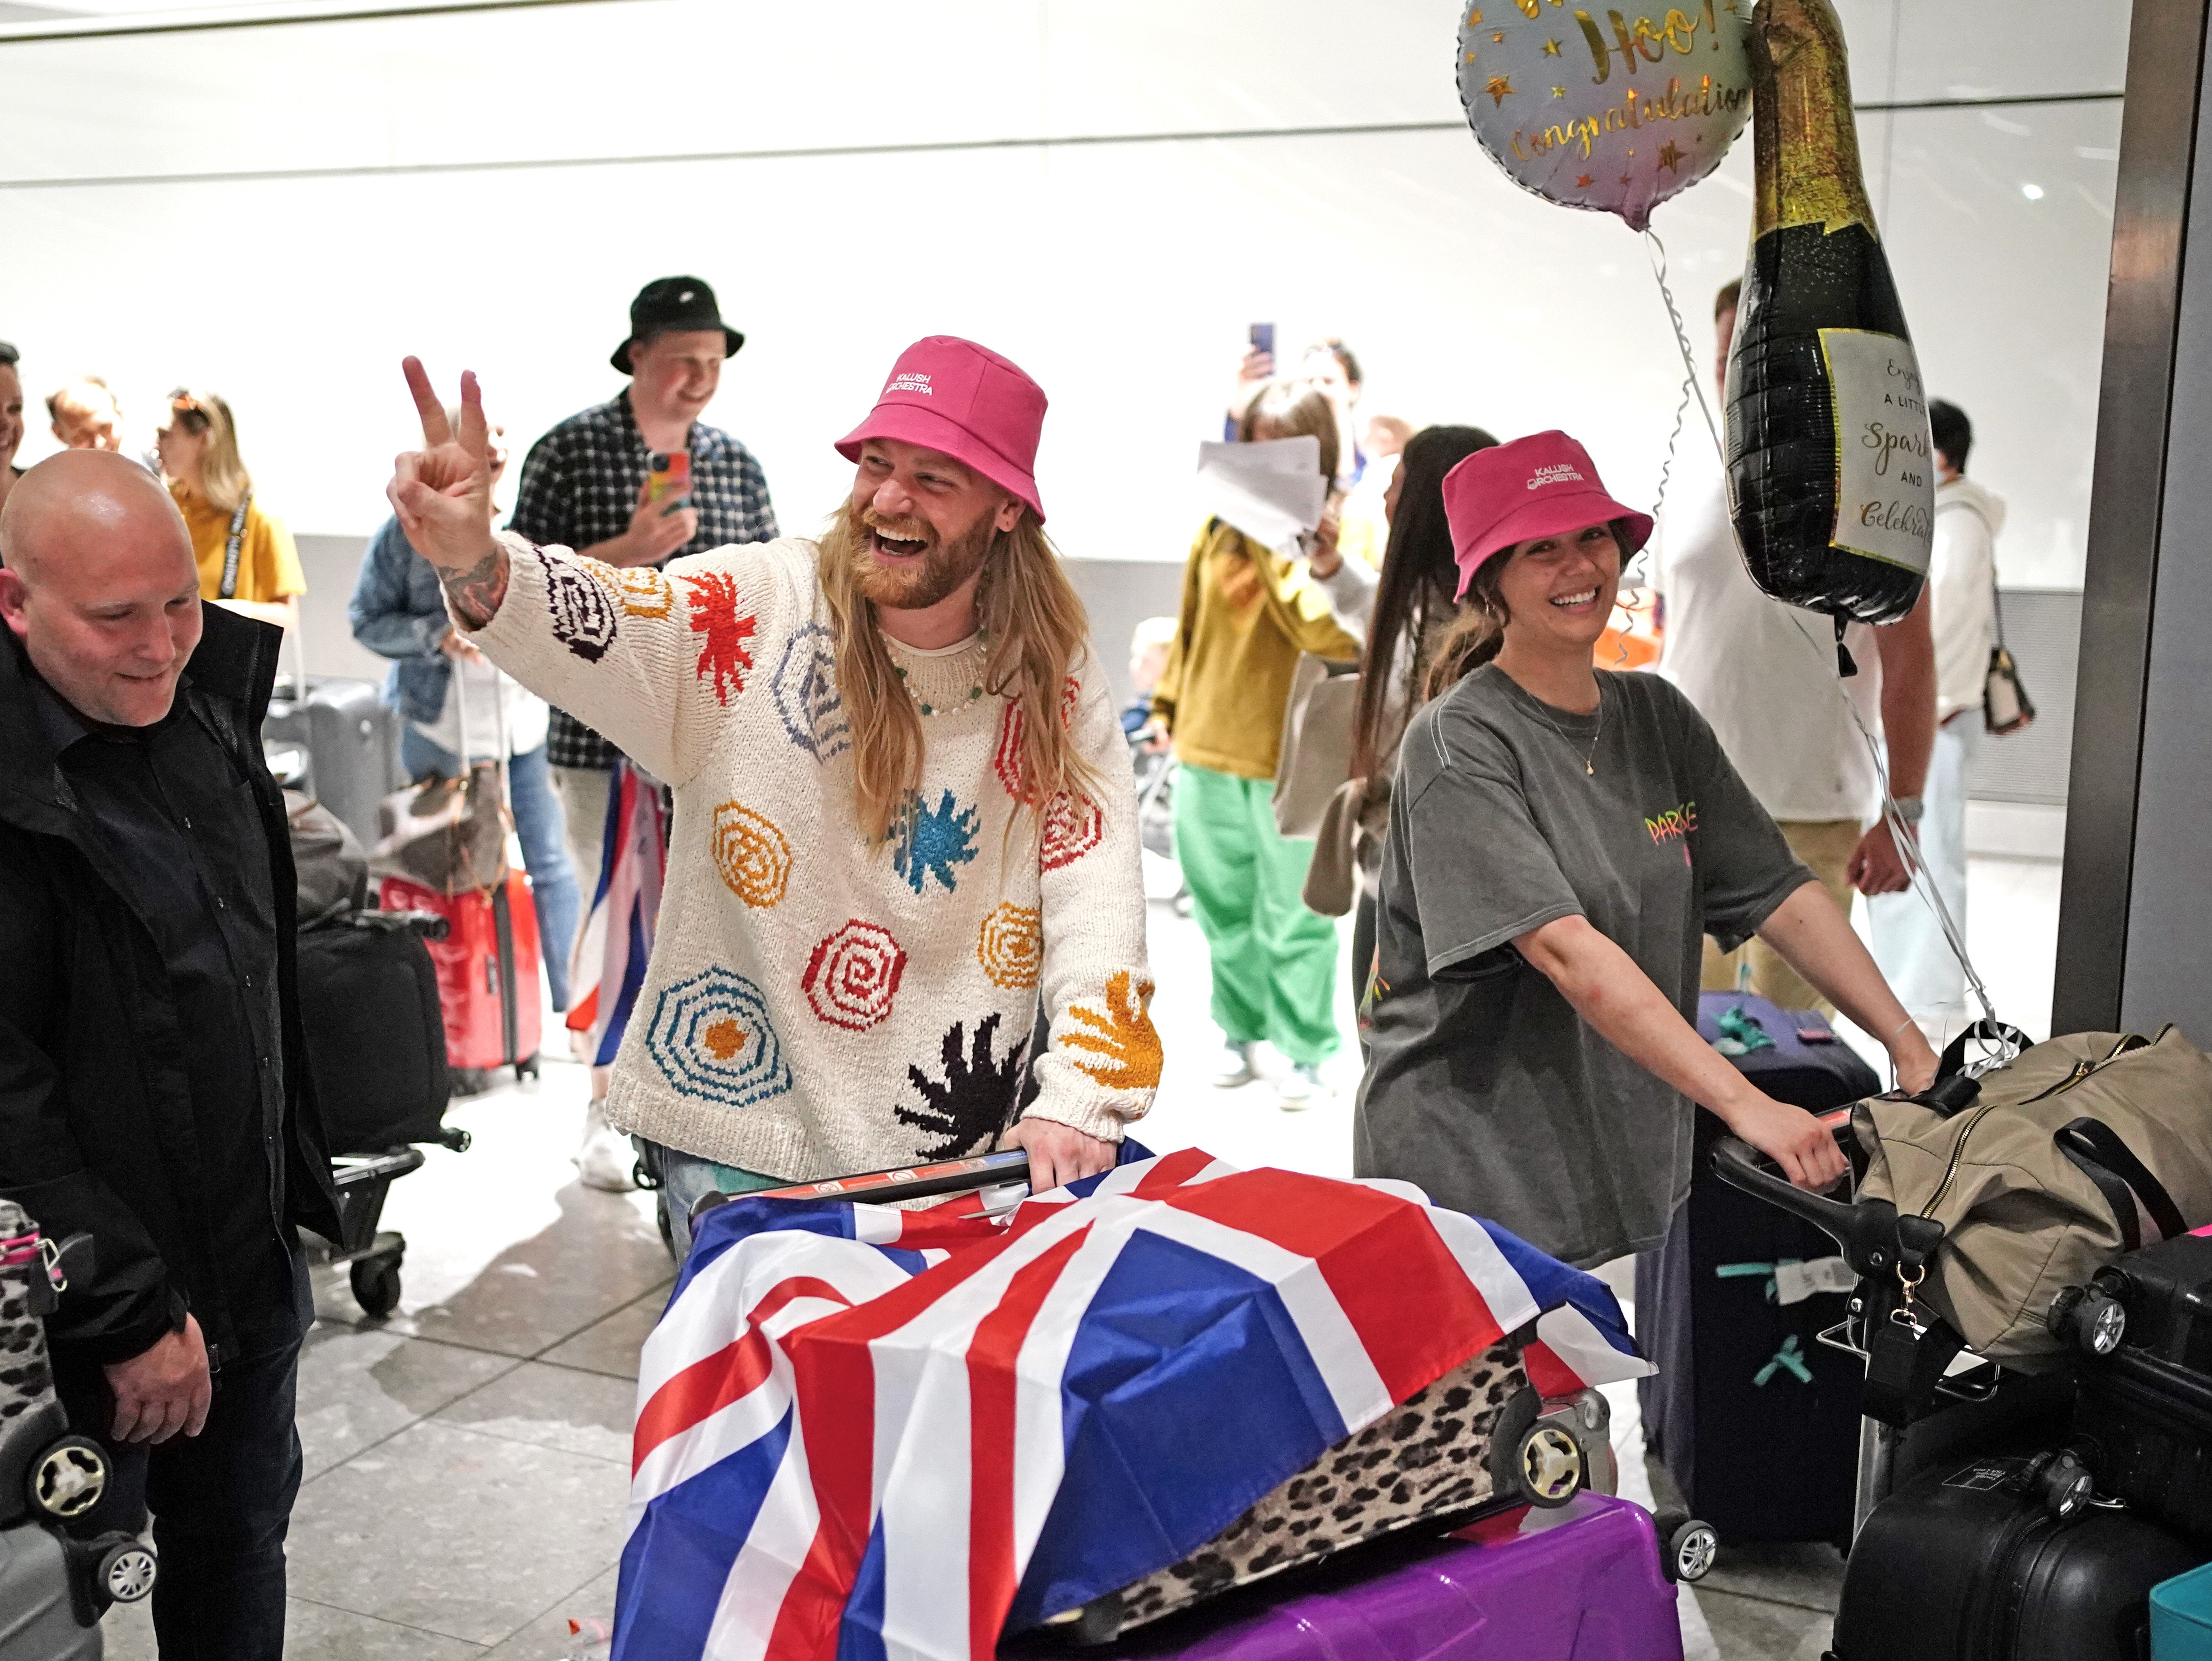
{"points": [[467, 1459]]}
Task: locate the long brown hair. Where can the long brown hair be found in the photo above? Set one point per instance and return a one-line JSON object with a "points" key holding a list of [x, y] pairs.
{"points": [[1480, 633], [1414, 597], [1037, 631]]}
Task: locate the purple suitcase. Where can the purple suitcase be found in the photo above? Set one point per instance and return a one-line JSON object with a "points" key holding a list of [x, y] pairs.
{"points": [[1581, 1583]]}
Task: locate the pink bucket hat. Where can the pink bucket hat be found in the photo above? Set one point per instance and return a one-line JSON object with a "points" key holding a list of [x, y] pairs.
{"points": [[1538, 486], [950, 395]]}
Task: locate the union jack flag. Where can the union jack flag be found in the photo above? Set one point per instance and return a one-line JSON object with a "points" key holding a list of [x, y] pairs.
{"points": [[607, 966], [869, 1434]]}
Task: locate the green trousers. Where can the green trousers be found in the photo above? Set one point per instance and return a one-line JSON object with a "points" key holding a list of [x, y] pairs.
{"points": [[1274, 962]]}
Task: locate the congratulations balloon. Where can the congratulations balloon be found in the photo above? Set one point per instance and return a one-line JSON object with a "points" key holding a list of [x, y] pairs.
{"points": [[1605, 109]]}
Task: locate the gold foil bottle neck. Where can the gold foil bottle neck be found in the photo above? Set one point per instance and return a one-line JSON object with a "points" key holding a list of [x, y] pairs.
{"points": [[1805, 141]]}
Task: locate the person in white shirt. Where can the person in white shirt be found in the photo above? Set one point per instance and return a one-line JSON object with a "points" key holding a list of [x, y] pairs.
{"points": [[1763, 675], [1962, 579]]}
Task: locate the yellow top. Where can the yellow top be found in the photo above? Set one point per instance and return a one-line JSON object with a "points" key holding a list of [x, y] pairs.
{"points": [[268, 562], [1247, 615]]}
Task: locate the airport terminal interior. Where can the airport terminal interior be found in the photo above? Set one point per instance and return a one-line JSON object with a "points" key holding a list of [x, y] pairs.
{"points": [[1257, 270]]}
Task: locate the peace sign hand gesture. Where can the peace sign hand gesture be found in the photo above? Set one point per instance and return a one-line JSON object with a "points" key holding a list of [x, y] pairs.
{"points": [[442, 493]]}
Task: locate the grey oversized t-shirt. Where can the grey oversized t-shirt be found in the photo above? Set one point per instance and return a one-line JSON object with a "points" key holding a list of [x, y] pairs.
{"points": [[1483, 1085]]}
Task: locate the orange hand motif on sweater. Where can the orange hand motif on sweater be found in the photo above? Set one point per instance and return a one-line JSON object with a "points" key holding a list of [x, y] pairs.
{"points": [[1124, 1035]]}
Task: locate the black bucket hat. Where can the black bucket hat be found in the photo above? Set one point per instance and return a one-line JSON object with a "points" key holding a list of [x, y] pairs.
{"points": [[669, 303]]}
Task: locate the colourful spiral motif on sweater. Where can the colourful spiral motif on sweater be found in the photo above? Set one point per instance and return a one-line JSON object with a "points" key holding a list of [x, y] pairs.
{"points": [[1011, 947], [1123, 1037], [853, 974], [711, 1038], [643, 591], [583, 617], [1006, 759], [1074, 825], [753, 856], [714, 601], [804, 687]]}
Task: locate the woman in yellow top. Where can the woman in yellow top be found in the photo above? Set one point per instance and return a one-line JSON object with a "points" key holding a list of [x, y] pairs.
{"points": [[199, 447], [1248, 612]]}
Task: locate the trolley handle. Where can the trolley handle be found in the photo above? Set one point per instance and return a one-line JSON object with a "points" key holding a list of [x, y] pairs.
{"points": [[891, 1187], [1866, 1230]]}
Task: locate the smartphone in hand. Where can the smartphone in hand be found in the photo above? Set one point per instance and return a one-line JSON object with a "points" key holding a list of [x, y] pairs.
{"points": [[1263, 337], [669, 480]]}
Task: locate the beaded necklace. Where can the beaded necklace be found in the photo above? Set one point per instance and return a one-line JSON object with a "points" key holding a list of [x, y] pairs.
{"points": [[982, 644]]}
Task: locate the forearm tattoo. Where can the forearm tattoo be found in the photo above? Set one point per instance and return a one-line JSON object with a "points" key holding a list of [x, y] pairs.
{"points": [[476, 593]]}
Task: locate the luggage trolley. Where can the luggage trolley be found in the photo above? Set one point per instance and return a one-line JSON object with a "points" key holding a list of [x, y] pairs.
{"points": [[1546, 1456], [1904, 1430]]}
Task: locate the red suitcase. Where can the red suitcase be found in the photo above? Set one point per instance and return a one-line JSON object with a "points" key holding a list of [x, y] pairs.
{"points": [[487, 971]]}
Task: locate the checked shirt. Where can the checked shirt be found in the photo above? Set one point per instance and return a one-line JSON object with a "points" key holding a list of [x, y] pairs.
{"points": [[581, 484]]}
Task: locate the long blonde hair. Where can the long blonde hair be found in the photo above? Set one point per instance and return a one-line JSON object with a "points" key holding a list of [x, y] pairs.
{"points": [[1037, 631], [224, 479]]}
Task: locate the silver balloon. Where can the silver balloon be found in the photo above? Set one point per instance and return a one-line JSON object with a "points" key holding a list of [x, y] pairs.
{"points": [[1594, 108]]}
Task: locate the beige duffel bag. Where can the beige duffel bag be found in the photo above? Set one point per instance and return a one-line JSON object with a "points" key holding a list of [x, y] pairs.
{"points": [[2080, 1148]]}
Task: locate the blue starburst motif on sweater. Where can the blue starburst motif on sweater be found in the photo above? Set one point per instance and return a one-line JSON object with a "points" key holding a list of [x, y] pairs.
{"points": [[930, 840]]}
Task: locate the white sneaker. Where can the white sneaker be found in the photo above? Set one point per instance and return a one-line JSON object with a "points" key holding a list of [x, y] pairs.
{"points": [[606, 1160], [1301, 1087], [1233, 1066]]}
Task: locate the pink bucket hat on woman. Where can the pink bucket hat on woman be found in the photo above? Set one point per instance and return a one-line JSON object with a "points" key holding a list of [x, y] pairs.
{"points": [[1538, 486], [965, 401]]}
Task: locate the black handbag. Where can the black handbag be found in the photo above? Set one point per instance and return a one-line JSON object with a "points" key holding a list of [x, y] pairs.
{"points": [[2006, 706]]}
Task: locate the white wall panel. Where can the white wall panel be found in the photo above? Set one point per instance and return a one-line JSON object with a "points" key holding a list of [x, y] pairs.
{"points": [[1122, 275]]}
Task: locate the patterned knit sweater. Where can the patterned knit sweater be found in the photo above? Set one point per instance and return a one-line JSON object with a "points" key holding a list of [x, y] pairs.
{"points": [[817, 1004]]}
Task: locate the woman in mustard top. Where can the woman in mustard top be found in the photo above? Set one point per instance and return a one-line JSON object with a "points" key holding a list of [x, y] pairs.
{"points": [[199, 447], [1248, 612]]}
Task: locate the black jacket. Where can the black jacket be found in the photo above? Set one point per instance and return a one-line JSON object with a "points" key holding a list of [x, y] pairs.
{"points": [[96, 1127]]}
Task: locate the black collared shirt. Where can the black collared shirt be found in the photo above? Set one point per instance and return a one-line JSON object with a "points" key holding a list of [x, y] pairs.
{"points": [[179, 822]]}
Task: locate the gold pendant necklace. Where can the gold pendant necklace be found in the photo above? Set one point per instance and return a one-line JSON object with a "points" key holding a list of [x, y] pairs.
{"points": [[1589, 755]]}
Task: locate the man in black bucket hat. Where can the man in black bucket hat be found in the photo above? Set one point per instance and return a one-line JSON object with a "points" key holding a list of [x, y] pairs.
{"points": [[584, 486]]}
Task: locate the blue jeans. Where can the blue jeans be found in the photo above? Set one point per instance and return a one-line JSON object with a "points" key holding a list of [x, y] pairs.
{"points": [[544, 846], [222, 1503], [684, 1177]]}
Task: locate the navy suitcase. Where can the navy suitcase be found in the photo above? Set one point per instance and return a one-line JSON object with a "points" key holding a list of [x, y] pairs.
{"points": [[1744, 1387]]}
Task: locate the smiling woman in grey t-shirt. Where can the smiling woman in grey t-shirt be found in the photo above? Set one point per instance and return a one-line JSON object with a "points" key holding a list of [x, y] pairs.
{"points": [[1561, 840]]}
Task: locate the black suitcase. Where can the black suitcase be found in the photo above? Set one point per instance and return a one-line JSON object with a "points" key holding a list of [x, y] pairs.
{"points": [[2143, 1418], [1744, 1387], [376, 1040], [352, 745], [1970, 1564]]}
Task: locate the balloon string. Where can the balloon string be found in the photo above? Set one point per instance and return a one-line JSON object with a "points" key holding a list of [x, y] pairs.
{"points": [[1908, 845]]}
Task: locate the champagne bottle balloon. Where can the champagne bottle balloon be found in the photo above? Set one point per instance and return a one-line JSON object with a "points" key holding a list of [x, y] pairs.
{"points": [[1831, 473]]}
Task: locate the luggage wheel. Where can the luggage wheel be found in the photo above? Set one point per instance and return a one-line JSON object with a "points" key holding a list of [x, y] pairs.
{"points": [[1535, 1457], [375, 1277], [127, 1571], [1687, 1547], [68, 1479]]}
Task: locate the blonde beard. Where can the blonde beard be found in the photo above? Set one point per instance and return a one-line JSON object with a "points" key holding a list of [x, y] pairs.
{"points": [[944, 567]]}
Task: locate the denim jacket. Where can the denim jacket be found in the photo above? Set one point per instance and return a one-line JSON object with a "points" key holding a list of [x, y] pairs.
{"points": [[398, 612]]}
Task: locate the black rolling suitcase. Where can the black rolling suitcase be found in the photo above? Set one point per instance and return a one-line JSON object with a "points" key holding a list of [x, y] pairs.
{"points": [[1730, 1310], [1969, 1563], [2143, 1418]]}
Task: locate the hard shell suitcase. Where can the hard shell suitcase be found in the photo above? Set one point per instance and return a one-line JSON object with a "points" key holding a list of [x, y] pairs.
{"points": [[1579, 1583], [1728, 1311], [2143, 1416], [2181, 1617], [1969, 1564], [352, 744], [487, 971]]}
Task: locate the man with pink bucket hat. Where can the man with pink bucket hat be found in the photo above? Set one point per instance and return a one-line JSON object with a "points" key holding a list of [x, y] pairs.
{"points": [[1561, 840], [904, 813]]}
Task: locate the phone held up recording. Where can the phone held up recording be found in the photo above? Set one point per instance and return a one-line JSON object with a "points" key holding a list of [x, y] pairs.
{"points": [[669, 480]]}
